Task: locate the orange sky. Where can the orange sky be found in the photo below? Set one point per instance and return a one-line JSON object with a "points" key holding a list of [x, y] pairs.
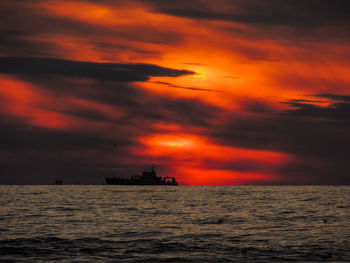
{"points": [[239, 96]]}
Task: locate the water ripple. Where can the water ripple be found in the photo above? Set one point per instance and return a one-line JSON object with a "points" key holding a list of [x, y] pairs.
{"points": [[182, 224]]}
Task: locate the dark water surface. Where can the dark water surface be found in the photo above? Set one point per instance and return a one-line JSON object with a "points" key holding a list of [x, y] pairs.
{"points": [[174, 224]]}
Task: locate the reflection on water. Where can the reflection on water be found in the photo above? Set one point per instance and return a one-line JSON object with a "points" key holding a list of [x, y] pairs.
{"points": [[182, 224]]}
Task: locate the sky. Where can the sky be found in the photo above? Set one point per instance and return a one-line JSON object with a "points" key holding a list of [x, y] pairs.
{"points": [[225, 92]]}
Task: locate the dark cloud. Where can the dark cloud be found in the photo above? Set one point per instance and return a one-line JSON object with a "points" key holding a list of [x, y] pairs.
{"points": [[14, 17], [316, 138], [33, 154], [183, 87], [20, 42], [318, 147], [49, 35], [137, 106], [336, 97], [256, 106], [335, 111], [306, 101], [294, 13], [99, 71]]}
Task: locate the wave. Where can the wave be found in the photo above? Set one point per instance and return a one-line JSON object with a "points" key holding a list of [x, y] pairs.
{"points": [[206, 224], [194, 248]]}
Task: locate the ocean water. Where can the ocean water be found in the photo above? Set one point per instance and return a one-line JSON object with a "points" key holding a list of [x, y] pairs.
{"points": [[174, 224]]}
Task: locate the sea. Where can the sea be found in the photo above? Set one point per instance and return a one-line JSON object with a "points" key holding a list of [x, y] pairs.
{"points": [[110, 223]]}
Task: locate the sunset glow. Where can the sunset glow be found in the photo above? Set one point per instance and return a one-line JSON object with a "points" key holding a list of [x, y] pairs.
{"points": [[213, 93]]}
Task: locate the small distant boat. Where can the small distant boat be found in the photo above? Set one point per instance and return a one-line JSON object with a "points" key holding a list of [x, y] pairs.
{"points": [[147, 178], [58, 182]]}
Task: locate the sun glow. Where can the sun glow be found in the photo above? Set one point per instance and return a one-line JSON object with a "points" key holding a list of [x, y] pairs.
{"points": [[206, 162], [181, 143], [171, 141], [200, 75]]}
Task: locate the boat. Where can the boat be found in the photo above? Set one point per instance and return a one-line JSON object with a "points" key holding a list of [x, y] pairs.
{"points": [[147, 178], [58, 182]]}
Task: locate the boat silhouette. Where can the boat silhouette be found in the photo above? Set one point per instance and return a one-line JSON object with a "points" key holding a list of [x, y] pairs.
{"points": [[147, 178], [58, 182]]}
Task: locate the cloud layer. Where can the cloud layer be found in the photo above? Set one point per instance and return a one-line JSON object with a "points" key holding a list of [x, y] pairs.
{"points": [[231, 92], [99, 71]]}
